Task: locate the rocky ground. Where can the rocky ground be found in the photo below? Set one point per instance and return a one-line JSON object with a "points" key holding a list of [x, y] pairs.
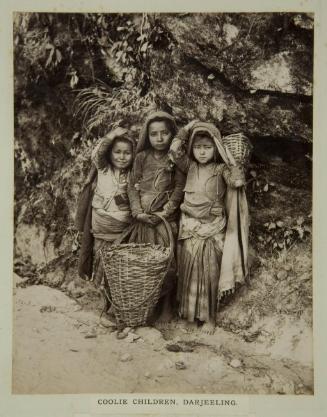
{"points": [[62, 346]]}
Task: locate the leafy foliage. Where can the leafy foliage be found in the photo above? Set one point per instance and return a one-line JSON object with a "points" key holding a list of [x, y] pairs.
{"points": [[75, 75], [278, 236], [101, 108], [259, 185]]}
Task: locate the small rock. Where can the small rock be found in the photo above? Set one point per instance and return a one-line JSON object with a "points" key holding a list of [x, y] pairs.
{"points": [[147, 375], [78, 293], [127, 330], [287, 267], [150, 335], [121, 335], [251, 337], [126, 357], [47, 309], [235, 363], [180, 365], [90, 336], [131, 337], [282, 275], [174, 348]]}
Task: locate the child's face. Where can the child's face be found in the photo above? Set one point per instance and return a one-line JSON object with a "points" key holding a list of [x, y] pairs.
{"points": [[159, 135], [121, 154], [203, 149]]}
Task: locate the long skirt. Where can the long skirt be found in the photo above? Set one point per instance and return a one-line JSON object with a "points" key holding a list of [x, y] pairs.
{"points": [[199, 263]]}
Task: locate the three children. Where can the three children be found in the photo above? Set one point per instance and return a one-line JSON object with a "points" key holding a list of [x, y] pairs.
{"points": [[190, 172]]}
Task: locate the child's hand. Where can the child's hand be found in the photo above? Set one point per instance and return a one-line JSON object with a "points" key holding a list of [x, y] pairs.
{"points": [[190, 125], [175, 145], [118, 131], [239, 183], [216, 211], [237, 175], [148, 219], [161, 213]]}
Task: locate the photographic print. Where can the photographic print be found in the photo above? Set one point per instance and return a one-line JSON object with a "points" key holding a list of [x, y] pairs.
{"points": [[163, 203]]}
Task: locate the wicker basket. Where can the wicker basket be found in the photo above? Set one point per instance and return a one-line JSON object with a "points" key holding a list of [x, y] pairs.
{"points": [[135, 274], [239, 146]]}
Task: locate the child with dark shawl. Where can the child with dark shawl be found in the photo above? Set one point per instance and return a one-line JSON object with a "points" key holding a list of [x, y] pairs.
{"points": [[109, 213], [156, 186], [213, 234]]}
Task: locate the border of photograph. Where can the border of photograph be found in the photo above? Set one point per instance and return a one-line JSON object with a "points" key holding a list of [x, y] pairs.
{"points": [[88, 405]]}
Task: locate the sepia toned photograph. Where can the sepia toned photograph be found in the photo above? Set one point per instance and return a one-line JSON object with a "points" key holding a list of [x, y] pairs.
{"points": [[163, 203]]}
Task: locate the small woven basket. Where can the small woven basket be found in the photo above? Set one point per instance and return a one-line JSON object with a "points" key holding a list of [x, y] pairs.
{"points": [[135, 274], [239, 146]]}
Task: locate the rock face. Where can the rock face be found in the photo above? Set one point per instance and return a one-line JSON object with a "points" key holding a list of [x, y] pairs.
{"points": [[248, 72]]}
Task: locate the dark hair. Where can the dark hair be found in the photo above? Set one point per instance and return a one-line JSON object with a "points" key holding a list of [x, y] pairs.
{"points": [[216, 156]]}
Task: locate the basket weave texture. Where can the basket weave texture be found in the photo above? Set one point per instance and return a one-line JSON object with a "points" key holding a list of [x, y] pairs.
{"points": [[135, 274], [239, 146]]}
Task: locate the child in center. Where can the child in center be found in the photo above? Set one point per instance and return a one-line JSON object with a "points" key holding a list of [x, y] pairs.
{"points": [[156, 186], [212, 241]]}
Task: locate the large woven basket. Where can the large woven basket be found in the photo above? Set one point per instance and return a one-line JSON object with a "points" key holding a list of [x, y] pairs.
{"points": [[135, 274], [239, 146]]}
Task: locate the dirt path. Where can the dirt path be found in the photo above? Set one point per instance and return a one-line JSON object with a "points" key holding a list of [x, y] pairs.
{"points": [[61, 348]]}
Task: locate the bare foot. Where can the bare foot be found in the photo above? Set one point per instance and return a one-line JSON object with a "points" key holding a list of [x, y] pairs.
{"points": [[164, 320], [166, 316], [107, 322], [208, 328], [191, 326], [186, 326]]}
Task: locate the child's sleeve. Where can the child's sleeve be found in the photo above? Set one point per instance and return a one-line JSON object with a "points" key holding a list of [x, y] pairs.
{"points": [[177, 151], [132, 189], [234, 176], [98, 156], [178, 193]]}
